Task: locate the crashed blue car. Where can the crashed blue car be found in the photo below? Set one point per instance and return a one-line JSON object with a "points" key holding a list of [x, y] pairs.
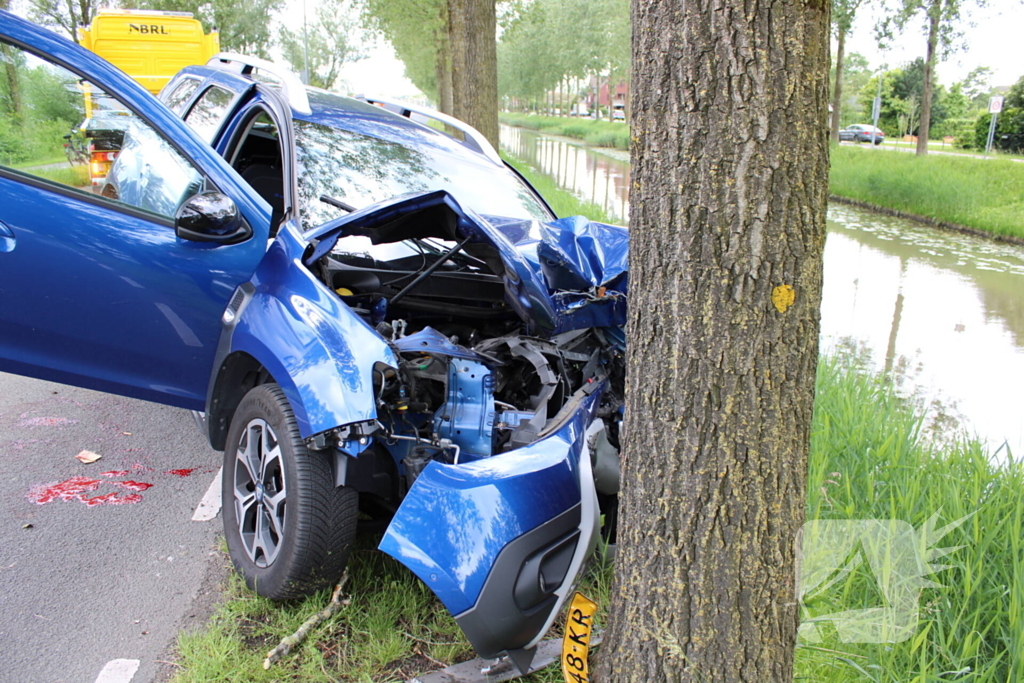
{"points": [[381, 325]]}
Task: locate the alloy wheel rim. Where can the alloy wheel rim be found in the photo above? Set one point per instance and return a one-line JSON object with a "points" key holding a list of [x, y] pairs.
{"points": [[260, 493]]}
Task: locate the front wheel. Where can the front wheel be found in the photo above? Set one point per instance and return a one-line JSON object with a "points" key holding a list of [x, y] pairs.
{"points": [[289, 529]]}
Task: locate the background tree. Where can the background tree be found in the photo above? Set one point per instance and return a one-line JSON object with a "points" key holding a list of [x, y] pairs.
{"points": [[534, 56], [977, 86], [64, 15], [843, 14], [333, 39], [245, 27], [418, 31], [856, 73], [472, 37], [942, 19], [1015, 95], [730, 165]]}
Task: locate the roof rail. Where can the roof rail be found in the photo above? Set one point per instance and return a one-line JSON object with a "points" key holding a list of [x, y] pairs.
{"points": [[474, 139], [293, 88]]}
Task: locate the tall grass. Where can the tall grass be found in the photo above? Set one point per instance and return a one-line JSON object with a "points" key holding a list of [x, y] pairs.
{"points": [[869, 459], [595, 133], [987, 194]]}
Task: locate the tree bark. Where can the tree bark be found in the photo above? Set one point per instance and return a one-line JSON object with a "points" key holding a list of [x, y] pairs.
{"points": [[837, 91], [730, 168], [473, 43], [443, 69], [923, 131], [11, 74]]}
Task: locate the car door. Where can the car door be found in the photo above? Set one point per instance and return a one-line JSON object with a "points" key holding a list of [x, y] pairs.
{"points": [[96, 289]]}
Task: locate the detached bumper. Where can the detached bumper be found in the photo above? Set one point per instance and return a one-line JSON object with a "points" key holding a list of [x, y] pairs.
{"points": [[502, 540]]}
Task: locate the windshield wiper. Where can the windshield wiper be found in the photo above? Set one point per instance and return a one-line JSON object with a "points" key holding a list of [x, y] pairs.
{"points": [[337, 203]]}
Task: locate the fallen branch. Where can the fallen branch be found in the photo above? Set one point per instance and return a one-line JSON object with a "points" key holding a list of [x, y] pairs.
{"points": [[289, 643]]}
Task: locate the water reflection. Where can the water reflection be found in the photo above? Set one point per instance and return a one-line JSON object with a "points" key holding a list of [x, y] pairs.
{"points": [[945, 310], [597, 177], [950, 307]]}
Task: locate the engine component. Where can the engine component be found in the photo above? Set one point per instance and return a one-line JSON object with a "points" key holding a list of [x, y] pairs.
{"points": [[467, 417]]}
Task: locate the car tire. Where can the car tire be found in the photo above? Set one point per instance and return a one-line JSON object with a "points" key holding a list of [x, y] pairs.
{"points": [[289, 529]]}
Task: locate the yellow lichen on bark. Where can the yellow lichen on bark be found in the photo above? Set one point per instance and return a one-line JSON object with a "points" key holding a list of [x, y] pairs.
{"points": [[783, 297]]}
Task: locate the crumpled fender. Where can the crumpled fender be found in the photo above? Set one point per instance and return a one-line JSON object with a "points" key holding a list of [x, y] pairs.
{"points": [[319, 351]]}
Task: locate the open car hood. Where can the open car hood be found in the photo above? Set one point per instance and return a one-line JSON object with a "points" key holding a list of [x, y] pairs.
{"points": [[561, 275]]}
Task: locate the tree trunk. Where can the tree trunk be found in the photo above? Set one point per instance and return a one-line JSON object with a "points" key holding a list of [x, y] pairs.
{"points": [[11, 74], [472, 31], [730, 168], [837, 91], [443, 70], [923, 131]]}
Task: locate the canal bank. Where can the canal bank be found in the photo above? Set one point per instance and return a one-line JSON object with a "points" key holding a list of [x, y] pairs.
{"points": [[945, 311]]}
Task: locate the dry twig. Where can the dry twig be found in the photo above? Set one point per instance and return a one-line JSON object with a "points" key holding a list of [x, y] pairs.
{"points": [[289, 643]]}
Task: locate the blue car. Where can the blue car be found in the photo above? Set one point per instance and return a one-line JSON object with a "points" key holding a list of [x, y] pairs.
{"points": [[380, 324]]}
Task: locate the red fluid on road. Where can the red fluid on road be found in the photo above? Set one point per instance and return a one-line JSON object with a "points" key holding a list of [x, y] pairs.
{"points": [[132, 485], [115, 498], [115, 473], [69, 489], [76, 488], [182, 473]]}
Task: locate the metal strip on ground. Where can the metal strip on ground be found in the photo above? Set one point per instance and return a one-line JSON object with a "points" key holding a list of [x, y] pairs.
{"points": [[209, 506], [118, 671], [495, 670]]}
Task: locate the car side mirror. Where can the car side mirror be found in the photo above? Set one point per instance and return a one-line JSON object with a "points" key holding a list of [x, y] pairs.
{"points": [[211, 217]]}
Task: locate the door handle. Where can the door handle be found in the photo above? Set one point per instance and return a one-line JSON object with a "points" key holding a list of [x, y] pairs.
{"points": [[6, 239]]}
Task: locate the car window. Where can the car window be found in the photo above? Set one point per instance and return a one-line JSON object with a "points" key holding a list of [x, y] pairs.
{"points": [[69, 133], [209, 112], [178, 98], [362, 169]]}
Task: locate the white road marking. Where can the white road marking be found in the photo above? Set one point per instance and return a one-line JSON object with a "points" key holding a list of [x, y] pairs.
{"points": [[209, 506], [118, 671]]}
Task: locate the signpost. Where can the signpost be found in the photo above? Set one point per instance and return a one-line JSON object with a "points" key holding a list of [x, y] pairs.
{"points": [[995, 105], [876, 110]]}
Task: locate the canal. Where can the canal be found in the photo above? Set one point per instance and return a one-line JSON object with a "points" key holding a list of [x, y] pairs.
{"points": [[943, 310]]}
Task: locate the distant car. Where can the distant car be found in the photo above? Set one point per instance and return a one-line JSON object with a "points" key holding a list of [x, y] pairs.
{"points": [[862, 132], [618, 115]]}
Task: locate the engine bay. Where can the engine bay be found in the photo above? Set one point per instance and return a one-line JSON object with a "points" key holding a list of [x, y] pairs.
{"points": [[472, 381]]}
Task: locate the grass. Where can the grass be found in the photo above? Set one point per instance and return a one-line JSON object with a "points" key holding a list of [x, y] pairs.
{"points": [[602, 133], [51, 159], [562, 202], [986, 194], [393, 629], [872, 457], [75, 176]]}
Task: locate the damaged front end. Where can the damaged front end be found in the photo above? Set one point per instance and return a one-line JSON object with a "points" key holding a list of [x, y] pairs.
{"points": [[494, 450]]}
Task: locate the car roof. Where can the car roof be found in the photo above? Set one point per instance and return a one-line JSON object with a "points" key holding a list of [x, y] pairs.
{"points": [[334, 110]]}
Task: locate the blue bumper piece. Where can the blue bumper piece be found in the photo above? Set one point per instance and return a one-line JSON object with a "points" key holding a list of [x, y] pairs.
{"points": [[457, 519]]}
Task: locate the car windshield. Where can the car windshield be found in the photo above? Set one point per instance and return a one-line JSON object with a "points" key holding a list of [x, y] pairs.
{"points": [[361, 170]]}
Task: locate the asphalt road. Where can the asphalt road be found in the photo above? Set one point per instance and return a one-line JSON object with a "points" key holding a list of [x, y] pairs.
{"points": [[116, 569]]}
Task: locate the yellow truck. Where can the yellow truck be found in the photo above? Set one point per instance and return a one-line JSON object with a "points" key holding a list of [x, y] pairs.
{"points": [[149, 46]]}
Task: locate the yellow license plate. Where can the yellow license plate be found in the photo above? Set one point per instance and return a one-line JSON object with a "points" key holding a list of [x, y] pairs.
{"points": [[576, 642]]}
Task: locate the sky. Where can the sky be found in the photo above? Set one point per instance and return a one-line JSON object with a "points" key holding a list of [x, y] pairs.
{"points": [[994, 40]]}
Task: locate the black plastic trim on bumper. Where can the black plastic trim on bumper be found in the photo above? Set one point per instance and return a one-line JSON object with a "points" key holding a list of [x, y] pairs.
{"points": [[518, 595]]}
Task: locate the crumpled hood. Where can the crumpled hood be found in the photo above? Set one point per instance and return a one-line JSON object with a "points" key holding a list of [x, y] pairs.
{"points": [[561, 275]]}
